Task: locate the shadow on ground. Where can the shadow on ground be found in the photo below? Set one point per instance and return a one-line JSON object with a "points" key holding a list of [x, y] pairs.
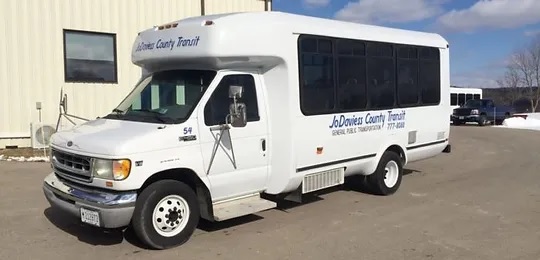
{"points": [[108, 237]]}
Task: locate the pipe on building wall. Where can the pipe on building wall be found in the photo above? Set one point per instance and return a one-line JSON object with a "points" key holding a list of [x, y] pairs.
{"points": [[267, 5], [202, 7]]}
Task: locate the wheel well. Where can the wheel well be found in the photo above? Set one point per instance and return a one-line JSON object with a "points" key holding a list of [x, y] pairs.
{"points": [[190, 178], [397, 149]]}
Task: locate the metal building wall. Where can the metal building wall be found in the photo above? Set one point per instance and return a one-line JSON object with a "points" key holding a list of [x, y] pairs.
{"points": [[32, 54]]}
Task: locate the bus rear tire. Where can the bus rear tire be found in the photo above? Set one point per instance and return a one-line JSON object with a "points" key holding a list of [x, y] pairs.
{"points": [[386, 179], [166, 214]]}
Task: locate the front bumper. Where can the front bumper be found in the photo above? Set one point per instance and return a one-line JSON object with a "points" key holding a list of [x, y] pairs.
{"points": [[468, 118], [113, 208]]}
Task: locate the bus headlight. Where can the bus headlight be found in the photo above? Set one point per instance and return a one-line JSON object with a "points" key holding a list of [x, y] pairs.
{"points": [[111, 169], [474, 112]]}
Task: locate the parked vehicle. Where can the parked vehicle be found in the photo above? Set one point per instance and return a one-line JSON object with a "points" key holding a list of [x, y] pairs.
{"points": [[458, 96], [236, 110], [481, 111]]}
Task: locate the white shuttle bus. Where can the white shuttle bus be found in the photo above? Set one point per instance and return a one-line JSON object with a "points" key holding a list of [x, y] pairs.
{"points": [[234, 111], [458, 96]]}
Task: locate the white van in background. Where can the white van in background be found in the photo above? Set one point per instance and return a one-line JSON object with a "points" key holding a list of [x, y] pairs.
{"points": [[458, 96], [235, 109]]}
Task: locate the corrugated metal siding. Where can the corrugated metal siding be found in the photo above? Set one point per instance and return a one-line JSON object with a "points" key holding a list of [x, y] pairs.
{"points": [[224, 6], [32, 53]]}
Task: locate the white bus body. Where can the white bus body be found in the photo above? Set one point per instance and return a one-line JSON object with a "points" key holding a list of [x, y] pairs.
{"points": [[458, 96], [323, 99]]}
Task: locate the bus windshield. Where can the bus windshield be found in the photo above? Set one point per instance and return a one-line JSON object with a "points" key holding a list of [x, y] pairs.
{"points": [[164, 97]]}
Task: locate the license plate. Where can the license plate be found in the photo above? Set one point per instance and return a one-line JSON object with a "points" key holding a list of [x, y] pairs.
{"points": [[90, 217], [461, 117]]}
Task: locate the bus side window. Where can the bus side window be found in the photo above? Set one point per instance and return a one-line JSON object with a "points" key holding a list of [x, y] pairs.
{"points": [[453, 99], [461, 99]]}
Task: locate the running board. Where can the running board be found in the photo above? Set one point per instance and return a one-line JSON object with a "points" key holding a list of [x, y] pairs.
{"points": [[241, 207]]}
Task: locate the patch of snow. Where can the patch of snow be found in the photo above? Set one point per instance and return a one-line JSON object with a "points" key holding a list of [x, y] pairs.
{"points": [[521, 123], [24, 159]]}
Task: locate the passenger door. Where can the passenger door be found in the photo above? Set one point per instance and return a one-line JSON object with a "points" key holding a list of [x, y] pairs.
{"points": [[243, 146]]}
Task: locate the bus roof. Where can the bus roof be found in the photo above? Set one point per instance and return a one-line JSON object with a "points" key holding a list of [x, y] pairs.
{"points": [[264, 34], [465, 90], [270, 21]]}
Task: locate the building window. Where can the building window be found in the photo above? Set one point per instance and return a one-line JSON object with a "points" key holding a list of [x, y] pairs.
{"points": [[90, 57]]}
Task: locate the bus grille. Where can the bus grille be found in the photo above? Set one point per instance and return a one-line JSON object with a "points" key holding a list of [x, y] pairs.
{"points": [[72, 166]]}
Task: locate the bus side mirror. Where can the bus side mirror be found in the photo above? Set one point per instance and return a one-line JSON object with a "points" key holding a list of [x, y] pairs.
{"points": [[237, 110], [236, 92]]}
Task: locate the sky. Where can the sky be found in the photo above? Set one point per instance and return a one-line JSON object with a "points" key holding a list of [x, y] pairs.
{"points": [[482, 33]]}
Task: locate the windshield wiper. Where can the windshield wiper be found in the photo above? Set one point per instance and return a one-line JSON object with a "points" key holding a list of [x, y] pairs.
{"points": [[157, 115]]}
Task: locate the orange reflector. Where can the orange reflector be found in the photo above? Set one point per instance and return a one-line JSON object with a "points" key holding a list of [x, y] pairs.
{"points": [[109, 183]]}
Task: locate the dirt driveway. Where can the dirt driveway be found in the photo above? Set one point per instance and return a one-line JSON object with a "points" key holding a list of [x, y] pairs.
{"points": [[480, 202]]}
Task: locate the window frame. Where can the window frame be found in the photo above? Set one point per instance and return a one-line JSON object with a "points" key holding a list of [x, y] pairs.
{"points": [[65, 32], [215, 91], [434, 54]]}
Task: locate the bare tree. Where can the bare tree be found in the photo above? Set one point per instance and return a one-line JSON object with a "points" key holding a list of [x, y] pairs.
{"points": [[526, 62], [512, 83]]}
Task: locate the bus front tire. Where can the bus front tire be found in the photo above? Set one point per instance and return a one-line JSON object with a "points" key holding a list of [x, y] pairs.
{"points": [[166, 214]]}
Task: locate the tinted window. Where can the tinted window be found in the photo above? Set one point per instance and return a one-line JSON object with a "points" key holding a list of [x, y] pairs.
{"points": [[381, 83], [406, 52], [461, 99], [453, 99], [354, 75], [317, 74], [217, 108], [476, 96], [429, 78], [352, 83], [351, 47], [380, 50], [407, 76]]}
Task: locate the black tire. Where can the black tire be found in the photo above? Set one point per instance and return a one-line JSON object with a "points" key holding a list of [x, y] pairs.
{"points": [[143, 216], [482, 120], [457, 122], [377, 179]]}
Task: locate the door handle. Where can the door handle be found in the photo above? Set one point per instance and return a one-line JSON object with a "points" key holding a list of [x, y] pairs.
{"points": [[263, 144]]}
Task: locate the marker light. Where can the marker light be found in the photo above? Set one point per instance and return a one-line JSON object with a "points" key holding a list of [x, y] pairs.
{"points": [[207, 23], [167, 26], [121, 169]]}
